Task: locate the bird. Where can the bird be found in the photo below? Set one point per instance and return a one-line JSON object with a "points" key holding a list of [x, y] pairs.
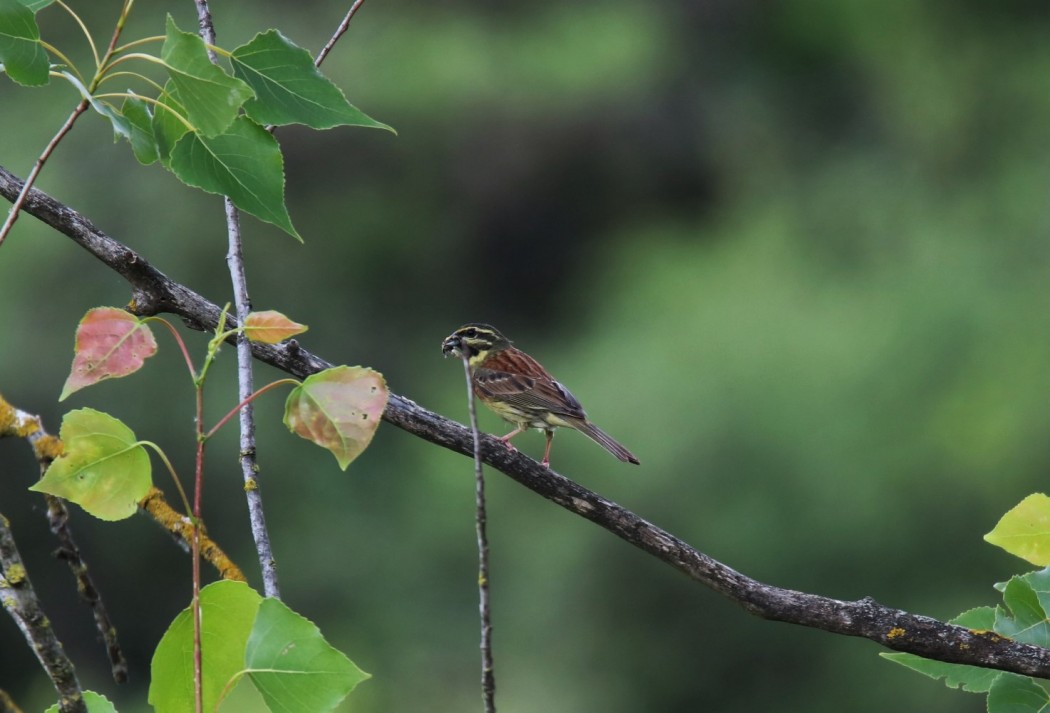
{"points": [[520, 390]]}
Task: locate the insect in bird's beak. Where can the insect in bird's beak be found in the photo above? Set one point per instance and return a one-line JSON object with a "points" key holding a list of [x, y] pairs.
{"points": [[452, 346]]}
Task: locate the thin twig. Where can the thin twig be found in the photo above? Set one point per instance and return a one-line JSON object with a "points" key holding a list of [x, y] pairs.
{"points": [[245, 380], [16, 206], [245, 386], [892, 628], [58, 518], [488, 671], [20, 601], [45, 448], [343, 26]]}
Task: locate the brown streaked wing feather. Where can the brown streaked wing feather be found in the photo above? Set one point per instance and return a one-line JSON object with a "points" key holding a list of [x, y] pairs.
{"points": [[518, 379]]}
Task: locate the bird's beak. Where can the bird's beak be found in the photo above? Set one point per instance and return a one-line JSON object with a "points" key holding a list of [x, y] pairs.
{"points": [[452, 346]]}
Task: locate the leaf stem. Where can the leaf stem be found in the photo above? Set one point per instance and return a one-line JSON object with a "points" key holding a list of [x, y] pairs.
{"points": [[171, 469], [83, 28], [198, 483], [244, 402], [65, 60], [182, 348], [135, 75]]}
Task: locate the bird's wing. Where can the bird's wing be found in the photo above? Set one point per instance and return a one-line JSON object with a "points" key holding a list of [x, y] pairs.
{"points": [[537, 391]]}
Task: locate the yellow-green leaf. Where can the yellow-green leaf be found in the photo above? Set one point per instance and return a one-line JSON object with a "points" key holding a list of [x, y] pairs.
{"points": [[103, 470], [1025, 530]]}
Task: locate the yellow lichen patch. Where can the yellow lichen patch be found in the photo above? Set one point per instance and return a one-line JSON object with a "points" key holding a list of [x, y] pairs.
{"points": [[7, 417], [251, 484], [895, 633], [27, 425], [49, 448], [15, 574], [987, 634], [156, 506]]}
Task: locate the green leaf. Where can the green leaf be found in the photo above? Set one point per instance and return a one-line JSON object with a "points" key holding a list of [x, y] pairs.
{"points": [[103, 469], [1016, 694], [970, 678], [1039, 581], [977, 619], [292, 665], [211, 97], [289, 89], [140, 122], [1024, 618], [110, 343], [36, 5], [1025, 530], [96, 703], [167, 127], [245, 164], [22, 55], [227, 612], [338, 409]]}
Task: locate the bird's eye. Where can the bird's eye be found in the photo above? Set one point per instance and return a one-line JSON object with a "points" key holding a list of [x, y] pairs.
{"points": [[471, 333]]}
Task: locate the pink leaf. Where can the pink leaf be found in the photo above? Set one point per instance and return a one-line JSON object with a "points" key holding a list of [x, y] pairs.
{"points": [[110, 343], [338, 409]]}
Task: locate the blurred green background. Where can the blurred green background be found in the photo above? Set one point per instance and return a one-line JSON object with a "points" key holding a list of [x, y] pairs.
{"points": [[792, 254]]}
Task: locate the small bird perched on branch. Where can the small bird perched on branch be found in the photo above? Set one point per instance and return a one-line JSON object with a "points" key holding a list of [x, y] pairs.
{"points": [[519, 389]]}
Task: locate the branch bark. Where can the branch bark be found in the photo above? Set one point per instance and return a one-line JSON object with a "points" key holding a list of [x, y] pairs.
{"points": [[893, 628], [22, 604]]}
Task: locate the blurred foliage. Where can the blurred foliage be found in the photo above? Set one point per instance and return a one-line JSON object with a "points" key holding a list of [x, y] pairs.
{"points": [[793, 255]]}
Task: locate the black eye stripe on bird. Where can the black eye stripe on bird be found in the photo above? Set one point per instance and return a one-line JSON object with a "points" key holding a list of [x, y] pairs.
{"points": [[521, 391]]}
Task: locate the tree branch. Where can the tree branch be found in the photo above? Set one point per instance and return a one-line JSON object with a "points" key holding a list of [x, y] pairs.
{"points": [[20, 600], [893, 628]]}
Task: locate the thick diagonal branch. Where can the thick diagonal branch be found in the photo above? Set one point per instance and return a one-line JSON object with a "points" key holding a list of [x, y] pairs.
{"points": [[893, 628]]}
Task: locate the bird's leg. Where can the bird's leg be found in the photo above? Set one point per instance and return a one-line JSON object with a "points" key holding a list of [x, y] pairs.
{"points": [[546, 462], [506, 439]]}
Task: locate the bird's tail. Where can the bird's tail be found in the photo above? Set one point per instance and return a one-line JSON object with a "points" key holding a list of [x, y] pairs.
{"points": [[606, 441]]}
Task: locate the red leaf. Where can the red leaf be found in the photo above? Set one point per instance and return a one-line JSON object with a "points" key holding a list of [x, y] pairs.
{"points": [[110, 343]]}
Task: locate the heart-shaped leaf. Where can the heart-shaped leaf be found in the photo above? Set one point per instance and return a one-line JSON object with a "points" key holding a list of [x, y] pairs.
{"points": [[227, 612], [245, 163], [338, 409], [1024, 531], [271, 327], [22, 55], [140, 123], [109, 343], [103, 468], [211, 97], [289, 89], [292, 665], [96, 703]]}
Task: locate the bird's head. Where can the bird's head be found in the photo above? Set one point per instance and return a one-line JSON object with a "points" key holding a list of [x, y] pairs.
{"points": [[474, 341]]}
